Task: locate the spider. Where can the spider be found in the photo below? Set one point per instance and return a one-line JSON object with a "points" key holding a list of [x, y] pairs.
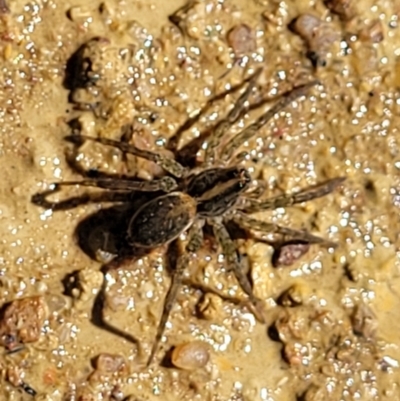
{"points": [[214, 194]]}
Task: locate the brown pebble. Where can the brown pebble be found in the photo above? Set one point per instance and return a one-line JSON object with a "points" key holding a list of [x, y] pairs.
{"points": [[210, 306], [4, 7], [306, 25], [241, 39], [317, 34], [22, 321], [364, 321], [286, 255], [373, 32], [109, 363], [190, 356], [343, 8], [14, 375]]}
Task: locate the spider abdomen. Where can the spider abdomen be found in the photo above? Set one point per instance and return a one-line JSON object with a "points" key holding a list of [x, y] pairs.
{"points": [[161, 220]]}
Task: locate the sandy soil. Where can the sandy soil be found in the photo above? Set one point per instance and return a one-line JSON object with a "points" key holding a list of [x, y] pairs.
{"points": [[332, 329]]}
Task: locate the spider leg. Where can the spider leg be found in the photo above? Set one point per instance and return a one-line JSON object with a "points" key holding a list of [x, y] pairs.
{"points": [[72, 155], [253, 224], [166, 184], [226, 123], [229, 249], [252, 129], [127, 132], [39, 199], [174, 140], [195, 241], [168, 164], [306, 194]]}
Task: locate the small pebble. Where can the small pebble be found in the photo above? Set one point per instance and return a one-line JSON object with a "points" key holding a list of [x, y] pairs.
{"points": [[241, 39], [191, 356]]}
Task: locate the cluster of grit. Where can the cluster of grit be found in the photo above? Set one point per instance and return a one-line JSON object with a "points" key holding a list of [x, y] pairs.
{"points": [[169, 71]]}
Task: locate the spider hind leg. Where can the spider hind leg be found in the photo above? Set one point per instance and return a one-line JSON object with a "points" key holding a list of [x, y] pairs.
{"points": [[284, 200], [257, 225]]}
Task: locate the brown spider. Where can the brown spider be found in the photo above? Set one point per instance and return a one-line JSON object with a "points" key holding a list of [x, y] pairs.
{"points": [[214, 195]]}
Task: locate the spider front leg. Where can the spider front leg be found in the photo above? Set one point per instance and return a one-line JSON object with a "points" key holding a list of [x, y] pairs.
{"points": [[253, 224], [226, 123], [195, 242], [252, 129], [314, 192], [229, 249], [168, 164]]}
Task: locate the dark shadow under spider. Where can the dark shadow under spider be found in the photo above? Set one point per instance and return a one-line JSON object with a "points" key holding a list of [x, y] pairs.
{"points": [[185, 200]]}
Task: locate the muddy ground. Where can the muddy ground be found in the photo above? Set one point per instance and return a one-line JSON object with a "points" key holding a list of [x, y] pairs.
{"points": [[332, 329]]}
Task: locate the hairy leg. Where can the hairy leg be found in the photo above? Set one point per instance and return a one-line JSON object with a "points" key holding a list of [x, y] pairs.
{"points": [[174, 140], [306, 194], [229, 249], [168, 164], [225, 124], [195, 241], [253, 224], [127, 132], [40, 199], [166, 184], [252, 129]]}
